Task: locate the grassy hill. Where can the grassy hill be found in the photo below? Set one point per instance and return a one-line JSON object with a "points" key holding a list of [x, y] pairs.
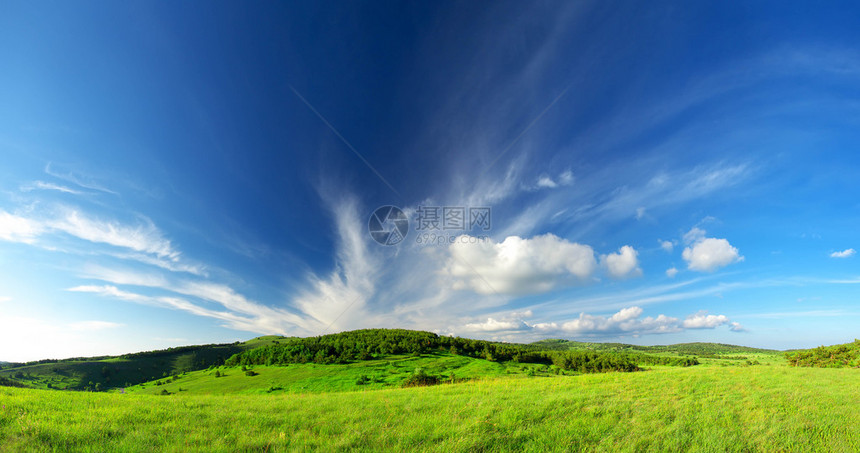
{"points": [[361, 354], [666, 409], [836, 356], [101, 373], [355, 391], [388, 372]]}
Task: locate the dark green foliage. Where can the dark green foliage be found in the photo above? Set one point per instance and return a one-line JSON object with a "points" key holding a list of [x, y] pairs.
{"points": [[250, 373], [593, 362], [836, 356], [648, 359], [6, 382], [131, 369], [420, 378], [357, 345]]}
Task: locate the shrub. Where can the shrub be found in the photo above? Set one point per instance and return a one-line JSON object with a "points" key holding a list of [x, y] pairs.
{"points": [[420, 378]]}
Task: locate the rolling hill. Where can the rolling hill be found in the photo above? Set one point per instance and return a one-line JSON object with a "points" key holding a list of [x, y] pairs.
{"points": [[102, 373], [369, 358]]}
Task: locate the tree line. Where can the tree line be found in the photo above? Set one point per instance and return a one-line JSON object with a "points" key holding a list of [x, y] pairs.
{"points": [[368, 344]]}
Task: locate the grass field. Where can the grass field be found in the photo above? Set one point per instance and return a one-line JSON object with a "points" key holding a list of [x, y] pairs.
{"points": [[311, 377], [704, 408]]}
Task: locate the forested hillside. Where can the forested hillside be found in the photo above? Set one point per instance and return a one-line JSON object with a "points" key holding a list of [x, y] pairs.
{"points": [[374, 343]]}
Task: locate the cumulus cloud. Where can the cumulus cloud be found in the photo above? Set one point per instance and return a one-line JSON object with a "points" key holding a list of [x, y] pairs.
{"points": [[625, 321], [706, 254], [547, 182], [623, 264], [518, 265], [843, 254], [671, 272], [668, 246], [493, 325], [702, 320]]}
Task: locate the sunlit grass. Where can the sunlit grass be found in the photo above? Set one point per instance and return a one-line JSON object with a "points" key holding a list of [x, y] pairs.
{"points": [[758, 408]]}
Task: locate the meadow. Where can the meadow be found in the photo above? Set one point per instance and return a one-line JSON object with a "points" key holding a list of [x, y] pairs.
{"points": [[707, 408], [355, 391]]}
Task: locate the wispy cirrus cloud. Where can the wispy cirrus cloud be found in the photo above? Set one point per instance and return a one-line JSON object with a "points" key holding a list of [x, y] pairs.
{"points": [[42, 185], [75, 178]]}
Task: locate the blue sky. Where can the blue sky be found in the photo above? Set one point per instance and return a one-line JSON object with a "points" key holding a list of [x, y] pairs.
{"points": [[656, 173]]}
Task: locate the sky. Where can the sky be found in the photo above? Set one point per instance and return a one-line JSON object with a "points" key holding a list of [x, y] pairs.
{"points": [[649, 173]]}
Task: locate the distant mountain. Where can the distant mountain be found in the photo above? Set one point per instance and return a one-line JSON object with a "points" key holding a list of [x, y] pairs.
{"points": [[699, 349]]}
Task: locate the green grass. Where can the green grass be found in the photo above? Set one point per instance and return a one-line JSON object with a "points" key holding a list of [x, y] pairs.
{"points": [[710, 408], [311, 377]]}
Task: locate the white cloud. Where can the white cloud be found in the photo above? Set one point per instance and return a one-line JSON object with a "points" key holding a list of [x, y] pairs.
{"points": [[625, 321], [629, 321], [42, 185], [546, 182], [694, 235], [640, 213], [668, 246], [706, 254], [566, 178], [492, 325], [518, 265], [94, 325], [80, 180], [736, 327], [702, 320], [350, 285], [843, 254], [14, 228], [623, 264], [671, 272], [252, 323], [140, 238]]}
